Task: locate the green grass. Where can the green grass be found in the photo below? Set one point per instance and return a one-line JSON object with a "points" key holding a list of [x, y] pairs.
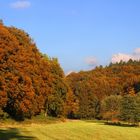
{"points": [[39, 119], [71, 130]]}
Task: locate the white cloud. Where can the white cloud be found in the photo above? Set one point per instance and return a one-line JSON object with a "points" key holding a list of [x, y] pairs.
{"points": [[120, 56], [125, 57], [20, 4], [69, 72], [91, 61]]}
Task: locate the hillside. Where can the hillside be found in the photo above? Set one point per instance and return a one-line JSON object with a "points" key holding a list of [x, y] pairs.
{"points": [[93, 87]]}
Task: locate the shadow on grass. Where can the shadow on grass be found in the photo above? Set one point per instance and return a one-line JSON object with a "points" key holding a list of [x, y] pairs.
{"points": [[103, 122], [121, 124], [13, 133], [94, 121]]}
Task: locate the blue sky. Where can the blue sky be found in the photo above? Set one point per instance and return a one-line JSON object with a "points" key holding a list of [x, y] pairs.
{"points": [[80, 33]]}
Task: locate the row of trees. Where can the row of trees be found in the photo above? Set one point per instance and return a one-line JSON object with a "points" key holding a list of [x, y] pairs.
{"points": [[31, 83], [125, 108], [104, 92]]}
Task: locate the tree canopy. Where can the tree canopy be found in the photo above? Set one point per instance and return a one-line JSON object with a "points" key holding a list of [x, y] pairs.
{"points": [[32, 82], [28, 80]]}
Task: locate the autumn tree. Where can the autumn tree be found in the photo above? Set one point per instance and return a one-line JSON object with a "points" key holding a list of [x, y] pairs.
{"points": [[61, 101], [29, 81], [71, 106]]}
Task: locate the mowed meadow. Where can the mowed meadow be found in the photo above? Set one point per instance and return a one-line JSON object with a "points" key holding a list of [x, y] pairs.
{"points": [[69, 130]]}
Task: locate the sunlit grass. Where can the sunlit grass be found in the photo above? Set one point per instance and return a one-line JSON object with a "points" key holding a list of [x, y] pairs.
{"points": [[76, 130]]}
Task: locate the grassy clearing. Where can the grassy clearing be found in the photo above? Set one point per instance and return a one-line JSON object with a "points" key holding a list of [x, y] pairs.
{"points": [[71, 130]]}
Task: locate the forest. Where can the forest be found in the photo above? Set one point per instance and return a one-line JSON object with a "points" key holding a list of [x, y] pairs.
{"points": [[32, 83]]}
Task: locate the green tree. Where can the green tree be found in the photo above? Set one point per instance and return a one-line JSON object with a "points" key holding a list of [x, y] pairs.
{"points": [[110, 107], [130, 109]]}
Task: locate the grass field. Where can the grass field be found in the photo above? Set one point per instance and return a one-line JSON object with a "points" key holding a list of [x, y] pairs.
{"points": [[71, 130]]}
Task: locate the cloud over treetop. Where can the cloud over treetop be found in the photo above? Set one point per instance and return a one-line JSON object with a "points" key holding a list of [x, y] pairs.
{"points": [[91, 61], [135, 55]]}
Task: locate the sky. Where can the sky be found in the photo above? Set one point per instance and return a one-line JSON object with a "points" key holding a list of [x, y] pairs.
{"points": [[82, 34]]}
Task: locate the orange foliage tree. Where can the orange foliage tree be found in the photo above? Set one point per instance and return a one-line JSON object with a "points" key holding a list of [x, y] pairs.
{"points": [[28, 79]]}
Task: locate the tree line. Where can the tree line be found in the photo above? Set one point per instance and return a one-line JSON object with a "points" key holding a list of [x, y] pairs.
{"points": [[111, 92], [32, 83]]}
